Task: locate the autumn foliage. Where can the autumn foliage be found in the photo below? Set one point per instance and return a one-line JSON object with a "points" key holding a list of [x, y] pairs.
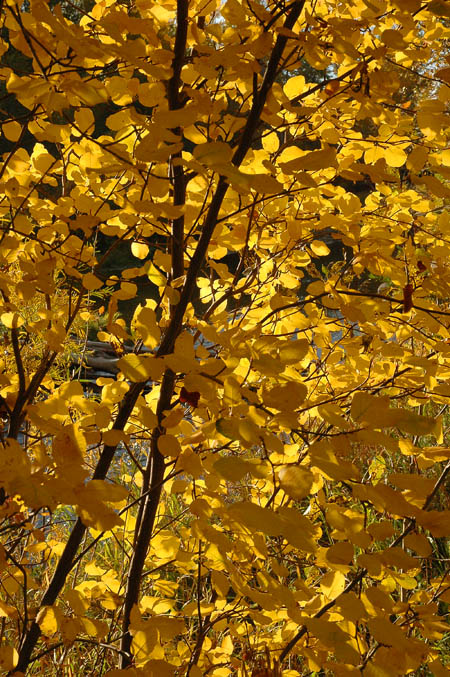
{"points": [[256, 192]]}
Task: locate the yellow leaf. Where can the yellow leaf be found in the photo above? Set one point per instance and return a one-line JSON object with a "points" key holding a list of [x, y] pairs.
{"points": [[49, 619], [12, 130], [191, 463], [168, 445], [313, 161], [435, 521], [296, 481], [394, 39], [333, 414], [91, 282], [332, 584], [443, 74], [437, 669], [351, 607], [7, 611], [220, 583], [107, 491], [84, 118], [294, 86], [155, 276], [404, 581], [326, 632], [387, 633], [375, 411], [228, 428], [365, 404], [419, 543], [233, 12], [150, 150], [167, 627], [412, 423], [86, 92], [395, 156], [166, 545], [8, 658], [70, 629], [440, 8], [41, 159], [317, 287], [11, 320], [93, 569], [264, 183], [417, 158], [149, 94], [286, 396], [145, 324], [254, 517], [292, 352], [179, 486], [323, 458], [139, 249], [176, 118], [213, 153], [98, 517], [140, 368], [144, 645], [319, 248], [113, 437], [173, 418], [419, 485], [436, 186], [340, 553], [233, 468], [94, 628], [270, 142]]}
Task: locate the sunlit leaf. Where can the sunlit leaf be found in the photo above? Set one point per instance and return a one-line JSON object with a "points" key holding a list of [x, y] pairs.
{"points": [[296, 481], [139, 250], [11, 320], [140, 368], [49, 619]]}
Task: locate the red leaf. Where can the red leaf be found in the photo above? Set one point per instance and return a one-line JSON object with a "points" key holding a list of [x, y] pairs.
{"points": [[189, 398], [407, 297]]}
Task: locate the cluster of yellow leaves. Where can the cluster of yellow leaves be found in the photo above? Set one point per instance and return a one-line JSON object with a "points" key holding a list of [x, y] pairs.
{"points": [[303, 500]]}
